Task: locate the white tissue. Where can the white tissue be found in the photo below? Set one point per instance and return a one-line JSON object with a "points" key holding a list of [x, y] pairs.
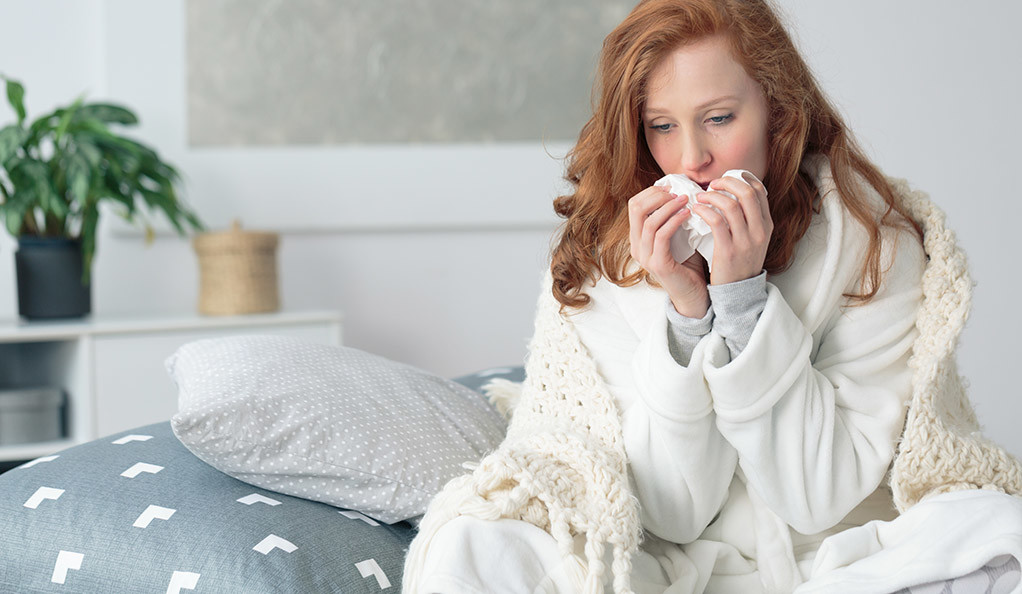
{"points": [[694, 235]]}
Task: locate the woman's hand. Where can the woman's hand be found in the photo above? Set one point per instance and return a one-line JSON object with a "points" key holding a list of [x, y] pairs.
{"points": [[741, 235], [654, 215]]}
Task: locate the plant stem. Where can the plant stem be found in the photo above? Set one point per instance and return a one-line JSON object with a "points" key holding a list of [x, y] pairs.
{"points": [[29, 224], [54, 226]]}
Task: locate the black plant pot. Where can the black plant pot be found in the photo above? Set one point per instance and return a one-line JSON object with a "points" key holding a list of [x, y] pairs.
{"points": [[49, 274]]}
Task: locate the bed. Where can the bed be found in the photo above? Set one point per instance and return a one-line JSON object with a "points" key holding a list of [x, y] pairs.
{"points": [[292, 467]]}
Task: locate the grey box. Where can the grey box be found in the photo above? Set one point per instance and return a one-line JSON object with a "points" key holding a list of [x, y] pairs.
{"points": [[29, 415]]}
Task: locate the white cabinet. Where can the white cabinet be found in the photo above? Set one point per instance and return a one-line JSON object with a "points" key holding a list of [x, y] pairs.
{"points": [[112, 369]]}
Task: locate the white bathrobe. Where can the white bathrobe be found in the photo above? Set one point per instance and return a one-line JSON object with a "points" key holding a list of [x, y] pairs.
{"points": [[792, 436]]}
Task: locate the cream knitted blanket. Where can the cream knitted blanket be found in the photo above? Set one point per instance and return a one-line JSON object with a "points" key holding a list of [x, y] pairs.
{"points": [[563, 467], [941, 449]]}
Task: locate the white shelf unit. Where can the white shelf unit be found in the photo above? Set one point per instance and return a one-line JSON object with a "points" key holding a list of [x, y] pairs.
{"points": [[112, 368]]}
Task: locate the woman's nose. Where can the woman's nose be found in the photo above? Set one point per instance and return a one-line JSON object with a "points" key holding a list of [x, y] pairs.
{"points": [[695, 154]]}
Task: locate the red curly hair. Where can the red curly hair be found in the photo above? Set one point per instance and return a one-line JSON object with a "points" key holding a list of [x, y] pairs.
{"points": [[611, 162]]}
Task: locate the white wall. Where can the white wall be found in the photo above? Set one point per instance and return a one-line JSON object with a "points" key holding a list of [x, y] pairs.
{"points": [[439, 269]]}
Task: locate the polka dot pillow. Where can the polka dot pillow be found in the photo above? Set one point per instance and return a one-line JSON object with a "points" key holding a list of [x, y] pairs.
{"points": [[330, 424]]}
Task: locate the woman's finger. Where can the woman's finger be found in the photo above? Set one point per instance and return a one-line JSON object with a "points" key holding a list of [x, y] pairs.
{"points": [[752, 198], [722, 240], [661, 256], [761, 192], [640, 207], [655, 222], [729, 208]]}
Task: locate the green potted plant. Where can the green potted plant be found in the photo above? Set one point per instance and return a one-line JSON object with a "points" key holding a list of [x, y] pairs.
{"points": [[54, 175]]}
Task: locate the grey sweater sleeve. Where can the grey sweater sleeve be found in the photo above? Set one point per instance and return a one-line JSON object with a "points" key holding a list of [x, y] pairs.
{"points": [[734, 310], [683, 332], [738, 306]]}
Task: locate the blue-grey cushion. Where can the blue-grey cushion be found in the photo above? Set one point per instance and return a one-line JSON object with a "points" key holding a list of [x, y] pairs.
{"points": [[331, 424], [479, 379], [79, 519]]}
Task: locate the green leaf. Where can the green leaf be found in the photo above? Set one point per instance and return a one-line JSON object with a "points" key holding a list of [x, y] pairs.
{"points": [[143, 150], [129, 162], [108, 113], [16, 97], [66, 115], [40, 128], [11, 138], [90, 218], [13, 221], [14, 210], [111, 145], [113, 182], [35, 174], [78, 175], [95, 129], [168, 204], [90, 151]]}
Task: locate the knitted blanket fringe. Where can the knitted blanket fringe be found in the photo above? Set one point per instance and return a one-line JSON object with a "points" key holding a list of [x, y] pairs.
{"points": [[563, 467]]}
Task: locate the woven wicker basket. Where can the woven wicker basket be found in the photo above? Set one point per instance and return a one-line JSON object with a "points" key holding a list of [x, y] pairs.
{"points": [[237, 272]]}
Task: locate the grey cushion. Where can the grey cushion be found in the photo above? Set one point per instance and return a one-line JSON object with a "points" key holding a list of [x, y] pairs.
{"points": [[332, 424], [79, 512]]}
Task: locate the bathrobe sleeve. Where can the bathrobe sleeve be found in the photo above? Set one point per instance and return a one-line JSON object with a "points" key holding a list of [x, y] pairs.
{"points": [[680, 464], [815, 403]]}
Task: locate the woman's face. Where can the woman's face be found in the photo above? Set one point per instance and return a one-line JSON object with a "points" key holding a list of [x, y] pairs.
{"points": [[705, 115]]}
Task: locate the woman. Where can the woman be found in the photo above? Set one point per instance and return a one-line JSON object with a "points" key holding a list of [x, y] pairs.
{"points": [[740, 410]]}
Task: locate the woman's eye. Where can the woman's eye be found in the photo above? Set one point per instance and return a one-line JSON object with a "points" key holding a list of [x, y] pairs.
{"points": [[661, 127], [716, 120]]}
